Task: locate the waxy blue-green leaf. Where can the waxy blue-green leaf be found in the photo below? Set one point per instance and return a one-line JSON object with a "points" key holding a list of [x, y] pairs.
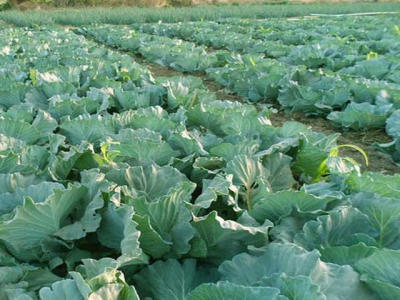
{"points": [[384, 185], [384, 215], [51, 213], [345, 227], [73, 106], [119, 232], [245, 170], [152, 118], [142, 145], [167, 217], [294, 288], [79, 158], [380, 273], [165, 280], [87, 128], [61, 290], [19, 129], [38, 193], [226, 238], [246, 269], [150, 181], [276, 206], [224, 290], [346, 255], [100, 279], [280, 175], [361, 116]]}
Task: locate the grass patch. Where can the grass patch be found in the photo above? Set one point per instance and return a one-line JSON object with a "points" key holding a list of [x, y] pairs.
{"points": [[131, 15]]}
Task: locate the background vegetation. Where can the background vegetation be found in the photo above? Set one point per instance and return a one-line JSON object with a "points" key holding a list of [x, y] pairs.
{"points": [[76, 16]]}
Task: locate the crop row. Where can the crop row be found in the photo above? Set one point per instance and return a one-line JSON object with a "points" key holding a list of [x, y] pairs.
{"points": [[118, 185], [361, 95]]}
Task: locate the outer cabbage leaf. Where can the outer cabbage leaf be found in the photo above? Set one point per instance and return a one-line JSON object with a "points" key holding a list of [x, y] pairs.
{"points": [[118, 231], [164, 223], [245, 269], [9, 183], [142, 145], [380, 272], [51, 214], [152, 118], [384, 185], [165, 280], [100, 279], [294, 288], [361, 116], [276, 206], [344, 255], [38, 193], [224, 239], [230, 291], [20, 130], [294, 261], [92, 129], [340, 228], [152, 181], [62, 290], [384, 215]]}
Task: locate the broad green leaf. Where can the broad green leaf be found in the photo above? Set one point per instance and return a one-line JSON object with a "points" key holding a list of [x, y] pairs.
{"points": [[11, 163], [142, 145], [212, 189], [7, 142], [384, 185], [154, 182], [61, 290], [19, 129], [45, 124], [110, 291], [294, 288], [152, 118], [38, 193], [380, 270], [245, 170], [9, 183], [39, 277], [344, 255], [92, 129], [168, 217], [226, 238], [245, 269], [340, 282], [276, 206], [118, 231], [64, 164], [280, 175], [205, 168], [65, 105], [384, 215], [360, 116], [229, 291], [38, 221], [169, 279], [346, 227]]}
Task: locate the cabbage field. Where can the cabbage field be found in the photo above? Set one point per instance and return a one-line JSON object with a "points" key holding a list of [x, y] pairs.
{"points": [[119, 183]]}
